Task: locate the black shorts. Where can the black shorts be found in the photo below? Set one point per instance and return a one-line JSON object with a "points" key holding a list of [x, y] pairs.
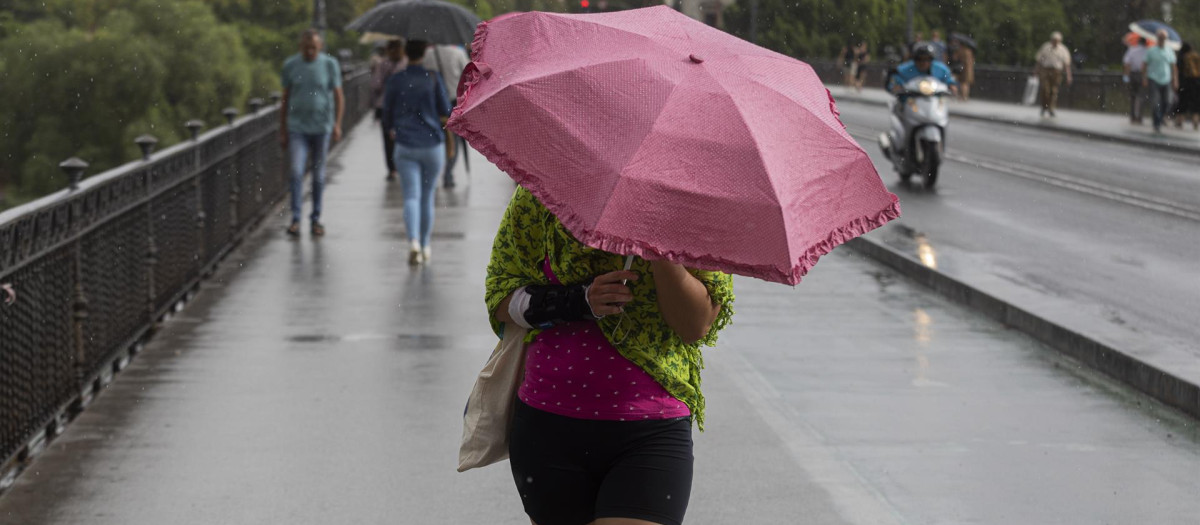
{"points": [[573, 471]]}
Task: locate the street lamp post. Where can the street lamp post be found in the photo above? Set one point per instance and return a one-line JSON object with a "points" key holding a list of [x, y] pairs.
{"points": [[753, 21], [908, 35], [319, 16]]}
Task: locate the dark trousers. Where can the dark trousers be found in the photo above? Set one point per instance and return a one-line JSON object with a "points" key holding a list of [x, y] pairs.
{"points": [[1137, 96], [389, 145], [1162, 99]]}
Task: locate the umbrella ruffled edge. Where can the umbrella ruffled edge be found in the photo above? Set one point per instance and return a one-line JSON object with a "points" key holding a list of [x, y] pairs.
{"points": [[609, 243]]}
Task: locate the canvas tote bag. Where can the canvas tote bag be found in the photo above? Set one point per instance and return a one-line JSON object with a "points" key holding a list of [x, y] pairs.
{"points": [[490, 406]]}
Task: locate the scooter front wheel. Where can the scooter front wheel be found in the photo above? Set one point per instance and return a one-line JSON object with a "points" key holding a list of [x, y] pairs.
{"points": [[932, 162]]}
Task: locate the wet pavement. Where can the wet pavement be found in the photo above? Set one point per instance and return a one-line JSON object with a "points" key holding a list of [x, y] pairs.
{"points": [[1077, 231], [323, 380]]}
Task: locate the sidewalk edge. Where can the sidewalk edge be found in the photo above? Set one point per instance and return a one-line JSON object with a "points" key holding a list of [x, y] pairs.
{"points": [[1113, 362], [1162, 146]]}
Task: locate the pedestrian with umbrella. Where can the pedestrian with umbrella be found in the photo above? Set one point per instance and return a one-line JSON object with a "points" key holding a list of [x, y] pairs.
{"points": [[655, 156], [440, 23], [415, 105]]}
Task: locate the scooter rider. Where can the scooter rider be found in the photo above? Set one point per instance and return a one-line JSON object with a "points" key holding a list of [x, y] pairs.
{"points": [[922, 65]]}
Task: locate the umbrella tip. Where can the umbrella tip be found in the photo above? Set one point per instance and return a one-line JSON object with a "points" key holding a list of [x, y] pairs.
{"points": [[696, 58]]}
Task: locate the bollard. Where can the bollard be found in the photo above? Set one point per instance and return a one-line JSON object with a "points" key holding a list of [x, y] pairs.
{"points": [[74, 168], [194, 126], [147, 143], [231, 114], [276, 97], [255, 104]]}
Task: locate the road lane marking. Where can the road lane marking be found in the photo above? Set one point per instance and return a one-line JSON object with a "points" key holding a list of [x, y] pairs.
{"points": [[1061, 180]]}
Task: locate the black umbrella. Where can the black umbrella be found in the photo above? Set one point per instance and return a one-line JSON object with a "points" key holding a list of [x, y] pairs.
{"points": [[428, 20], [966, 40]]}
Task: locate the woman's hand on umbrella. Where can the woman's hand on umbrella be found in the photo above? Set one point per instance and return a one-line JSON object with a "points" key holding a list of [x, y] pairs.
{"points": [[608, 293]]}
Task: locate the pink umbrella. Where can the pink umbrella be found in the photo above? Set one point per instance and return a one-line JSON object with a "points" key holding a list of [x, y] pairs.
{"points": [[648, 133]]}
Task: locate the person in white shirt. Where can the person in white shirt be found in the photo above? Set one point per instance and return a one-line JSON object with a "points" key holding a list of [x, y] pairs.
{"points": [[449, 61], [1135, 59]]}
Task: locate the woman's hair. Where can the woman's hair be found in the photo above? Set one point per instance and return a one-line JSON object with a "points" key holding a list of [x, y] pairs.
{"points": [[415, 49], [1185, 49]]}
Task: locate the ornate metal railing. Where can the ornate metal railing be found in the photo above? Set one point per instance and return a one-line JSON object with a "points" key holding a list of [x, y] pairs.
{"points": [[86, 273]]}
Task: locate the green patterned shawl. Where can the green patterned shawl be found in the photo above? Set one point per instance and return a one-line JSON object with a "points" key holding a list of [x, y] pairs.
{"points": [[529, 232]]}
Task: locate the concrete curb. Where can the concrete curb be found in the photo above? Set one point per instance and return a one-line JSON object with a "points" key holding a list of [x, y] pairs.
{"points": [[1122, 366], [1162, 146]]}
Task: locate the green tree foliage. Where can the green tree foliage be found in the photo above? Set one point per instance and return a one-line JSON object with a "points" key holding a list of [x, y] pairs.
{"points": [[1008, 31], [86, 80]]}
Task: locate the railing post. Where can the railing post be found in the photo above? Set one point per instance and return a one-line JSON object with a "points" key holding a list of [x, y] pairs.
{"points": [[194, 126], [74, 168], [147, 143]]}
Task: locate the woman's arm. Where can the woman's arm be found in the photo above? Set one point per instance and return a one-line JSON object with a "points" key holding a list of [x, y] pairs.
{"points": [[683, 301]]}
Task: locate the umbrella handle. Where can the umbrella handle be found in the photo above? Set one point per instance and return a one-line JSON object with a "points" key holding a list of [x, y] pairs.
{"points": [[628, 265]]}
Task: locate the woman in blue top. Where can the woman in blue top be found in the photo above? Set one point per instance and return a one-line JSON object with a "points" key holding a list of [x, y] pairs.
{"points": [[415, 107]]}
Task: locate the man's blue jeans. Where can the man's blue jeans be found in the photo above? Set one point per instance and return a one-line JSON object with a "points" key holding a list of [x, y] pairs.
{"points": [[302, 147], [419, 169]]}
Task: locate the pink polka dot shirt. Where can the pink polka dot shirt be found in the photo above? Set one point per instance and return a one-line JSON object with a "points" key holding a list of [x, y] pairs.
{"points": [[572, 370]]}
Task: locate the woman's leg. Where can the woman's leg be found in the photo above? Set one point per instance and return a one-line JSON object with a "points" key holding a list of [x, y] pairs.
{"points": [[432, 164], [649, 480], [409, 169]]}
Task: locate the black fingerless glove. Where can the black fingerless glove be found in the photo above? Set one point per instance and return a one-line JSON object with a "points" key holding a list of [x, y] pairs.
{"points": [[551, 304]]}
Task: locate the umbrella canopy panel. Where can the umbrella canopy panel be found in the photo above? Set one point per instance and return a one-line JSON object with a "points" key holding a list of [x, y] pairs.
{"points": [[651, 134], [430, 20], [1148, 29]]}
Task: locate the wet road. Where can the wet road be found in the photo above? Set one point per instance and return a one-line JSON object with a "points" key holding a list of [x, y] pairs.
{"points": [[322, 381], [1109, 232]]}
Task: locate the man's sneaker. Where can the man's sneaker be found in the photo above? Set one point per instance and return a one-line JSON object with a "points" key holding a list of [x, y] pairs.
{"points": [[318, 229], [294, 229], [426, 254]]}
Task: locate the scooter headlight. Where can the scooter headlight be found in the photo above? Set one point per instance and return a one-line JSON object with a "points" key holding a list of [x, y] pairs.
{"points": [[927, 87]]}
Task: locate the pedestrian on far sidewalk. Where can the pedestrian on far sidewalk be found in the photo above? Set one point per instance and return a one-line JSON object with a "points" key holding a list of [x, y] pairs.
{"points": [[1161, 77], [449, 61], [962, 64], [1189, 87], [392, 62], [1053, 64], [314, 106], [849, 63], [1134, 61], [939, 46], [415, 108], [862, 58]]}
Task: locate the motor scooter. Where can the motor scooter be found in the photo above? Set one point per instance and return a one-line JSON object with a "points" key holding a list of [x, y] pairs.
{"points": [[916, 141]]}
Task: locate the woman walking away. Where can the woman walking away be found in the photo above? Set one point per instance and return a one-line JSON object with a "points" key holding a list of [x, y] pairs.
{"points": [[862, 57], [848, 56], [602, 432], [415, 107], [1189, 87]]}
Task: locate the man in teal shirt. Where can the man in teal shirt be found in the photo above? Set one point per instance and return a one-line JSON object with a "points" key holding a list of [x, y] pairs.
{"points": [[313, 105], [1161, 76]]}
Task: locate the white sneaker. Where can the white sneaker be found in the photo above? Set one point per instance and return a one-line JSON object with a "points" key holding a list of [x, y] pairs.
{"points": [[426, 254]]}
